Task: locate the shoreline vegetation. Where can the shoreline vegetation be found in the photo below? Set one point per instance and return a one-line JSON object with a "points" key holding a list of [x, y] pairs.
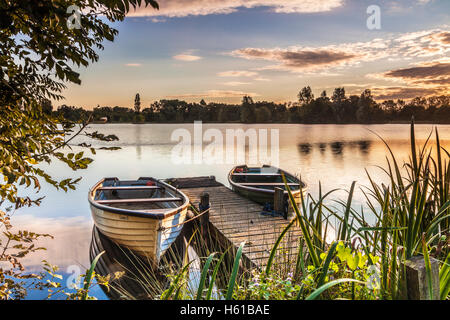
{"points": [[364, 261], [337, 109]]}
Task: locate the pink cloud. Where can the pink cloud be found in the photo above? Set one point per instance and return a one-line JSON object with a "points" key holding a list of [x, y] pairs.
{"points": [[183, 8]]}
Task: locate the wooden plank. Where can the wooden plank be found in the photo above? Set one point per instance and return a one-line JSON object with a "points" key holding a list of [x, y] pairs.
{"points": [[149, 200]]}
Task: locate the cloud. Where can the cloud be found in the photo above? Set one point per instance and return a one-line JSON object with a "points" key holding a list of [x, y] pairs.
{"points": [[235, 83], [215, 94], [388, 93], [237, 74], [156, 20], [304, 59], [133, 65], [62, 251], [429, 74], [297, 58], [261, 79], [433, 70], [187, 57], [183, 8], [422, 79], [426, 43]]}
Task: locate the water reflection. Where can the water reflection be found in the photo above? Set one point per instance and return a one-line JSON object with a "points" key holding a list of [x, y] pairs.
{"points": [[138, 132], [305, 148], [139, 280], [336, 147], [322, 147], [364, 146]]}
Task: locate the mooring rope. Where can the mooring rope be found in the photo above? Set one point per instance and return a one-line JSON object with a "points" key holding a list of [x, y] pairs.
{"points": [[164, 229]]}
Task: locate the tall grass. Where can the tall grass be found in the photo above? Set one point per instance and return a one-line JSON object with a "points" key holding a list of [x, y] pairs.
{"points": [[411, 217]]}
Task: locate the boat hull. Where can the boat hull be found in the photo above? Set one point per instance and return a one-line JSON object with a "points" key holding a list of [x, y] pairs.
{"points": [[261, 188], [262, 197], [146, 222], [146, 237]]}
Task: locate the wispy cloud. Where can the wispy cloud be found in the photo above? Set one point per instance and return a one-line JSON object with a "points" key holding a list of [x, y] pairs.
{"points": [[187, 57], [235, 83], [237, 74], [421, 79], [215, 94], [183, 8], [261, 79], [303, 59], [432, 73], [388, 93], [133, 65], [156, 20]]}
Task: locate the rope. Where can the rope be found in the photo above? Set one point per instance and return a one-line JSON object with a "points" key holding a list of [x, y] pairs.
{"points": [[186, 221]]}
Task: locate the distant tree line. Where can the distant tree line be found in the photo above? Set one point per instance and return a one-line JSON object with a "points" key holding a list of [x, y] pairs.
{"points": [[338, 108]]}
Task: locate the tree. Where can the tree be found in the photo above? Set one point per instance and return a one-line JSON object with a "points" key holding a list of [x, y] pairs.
{"points": [[366, 107], [47, 106], [38, 52], [137, 103], [305, 96], [247, 113], [338, 95]]}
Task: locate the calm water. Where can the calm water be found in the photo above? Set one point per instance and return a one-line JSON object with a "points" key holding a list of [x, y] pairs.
{"points": [[335, 155]]}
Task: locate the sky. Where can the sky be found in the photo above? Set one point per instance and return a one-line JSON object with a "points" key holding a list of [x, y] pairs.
{"points": [[220, 50]]}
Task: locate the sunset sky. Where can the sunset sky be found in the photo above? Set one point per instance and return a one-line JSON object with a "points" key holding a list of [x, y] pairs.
{"points": [[220, 50]]}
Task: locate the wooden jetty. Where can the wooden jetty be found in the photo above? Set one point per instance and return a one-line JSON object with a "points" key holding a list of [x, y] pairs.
{"points": [[234, 219]]}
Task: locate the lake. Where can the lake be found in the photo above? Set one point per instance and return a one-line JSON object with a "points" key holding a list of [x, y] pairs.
{"points": [[334, 155]]}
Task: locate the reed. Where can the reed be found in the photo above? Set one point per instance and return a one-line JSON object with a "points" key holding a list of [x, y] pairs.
{"points": [[411, 214]]}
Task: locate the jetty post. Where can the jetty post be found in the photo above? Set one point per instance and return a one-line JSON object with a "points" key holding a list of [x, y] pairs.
{"points": [[417, 282], [204, 219]]}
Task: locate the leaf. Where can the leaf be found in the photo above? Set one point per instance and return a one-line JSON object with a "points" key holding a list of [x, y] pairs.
{"points": [[316, 293], [203, 276], [233, 276], [88, 278]]}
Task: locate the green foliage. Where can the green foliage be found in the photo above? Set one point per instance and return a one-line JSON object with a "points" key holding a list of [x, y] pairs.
{"points": [[444, 278], [203, 276], [232, 281], [38, 54], [38, 49], [270, 286], [55, 288]]}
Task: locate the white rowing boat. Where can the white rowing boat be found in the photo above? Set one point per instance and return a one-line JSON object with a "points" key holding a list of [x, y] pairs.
{"points": [[144, 215]]}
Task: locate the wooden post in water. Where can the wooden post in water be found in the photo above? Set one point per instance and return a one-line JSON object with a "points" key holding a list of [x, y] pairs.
{"points": [[278, 202], [417, 283], [204, 219]]}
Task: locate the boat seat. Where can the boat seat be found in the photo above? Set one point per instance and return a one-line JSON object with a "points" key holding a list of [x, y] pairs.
{"points": [[147, 200], [129, 188], [156, 210]]}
